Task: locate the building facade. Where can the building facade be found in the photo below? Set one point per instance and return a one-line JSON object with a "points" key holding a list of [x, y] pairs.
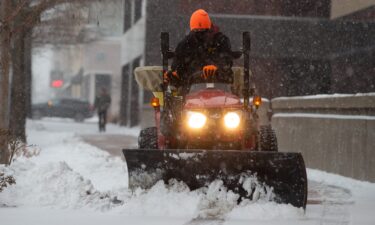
{"points": [[101, 68], [298, 47], [93, 61]]}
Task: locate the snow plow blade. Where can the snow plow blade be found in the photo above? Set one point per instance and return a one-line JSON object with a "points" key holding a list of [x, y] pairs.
{"points": [[282, 173]]}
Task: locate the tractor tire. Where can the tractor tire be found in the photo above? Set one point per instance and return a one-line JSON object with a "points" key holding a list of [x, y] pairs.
{"points": [[267, 139], [148, 138]]}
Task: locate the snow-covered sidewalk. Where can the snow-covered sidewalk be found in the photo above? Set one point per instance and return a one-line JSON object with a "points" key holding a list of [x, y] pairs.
{"points": [[72, 182]]}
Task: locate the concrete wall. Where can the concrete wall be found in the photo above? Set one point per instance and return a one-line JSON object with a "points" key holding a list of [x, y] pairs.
{"points": [[335, 133]]}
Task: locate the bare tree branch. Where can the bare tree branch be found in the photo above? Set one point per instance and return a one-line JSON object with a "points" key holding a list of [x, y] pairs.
{"points": [[17, 10], [35, 12]]}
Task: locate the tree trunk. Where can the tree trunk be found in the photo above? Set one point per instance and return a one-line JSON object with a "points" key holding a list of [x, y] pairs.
{"points": [[18, 92], [28, 73], [5, 36]]}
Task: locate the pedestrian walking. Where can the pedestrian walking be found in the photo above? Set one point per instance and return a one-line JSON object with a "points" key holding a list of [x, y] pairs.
{"points": [[102, 103]]}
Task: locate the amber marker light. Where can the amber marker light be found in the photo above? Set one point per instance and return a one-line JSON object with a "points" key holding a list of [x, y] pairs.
{"points": [[257, 101], [155, 102]]}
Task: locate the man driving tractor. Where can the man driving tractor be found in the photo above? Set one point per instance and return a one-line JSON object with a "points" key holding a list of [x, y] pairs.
{"points": [[208, 129], [205, 49]]}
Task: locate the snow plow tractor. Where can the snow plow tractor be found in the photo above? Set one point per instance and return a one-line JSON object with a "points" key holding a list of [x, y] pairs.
{"points": [[210, 131]]}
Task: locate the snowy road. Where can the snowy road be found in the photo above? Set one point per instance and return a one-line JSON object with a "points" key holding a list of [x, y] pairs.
{"points": [[72, 182]]}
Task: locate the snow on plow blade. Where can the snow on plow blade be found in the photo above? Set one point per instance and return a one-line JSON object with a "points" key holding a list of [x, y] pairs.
{"points": [[282, 173]]}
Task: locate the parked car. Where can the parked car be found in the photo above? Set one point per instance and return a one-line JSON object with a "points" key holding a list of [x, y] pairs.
{"points": [[64, 107]]}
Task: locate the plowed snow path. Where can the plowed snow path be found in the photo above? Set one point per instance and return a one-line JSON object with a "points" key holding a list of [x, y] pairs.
{"points": [[329, 204]]}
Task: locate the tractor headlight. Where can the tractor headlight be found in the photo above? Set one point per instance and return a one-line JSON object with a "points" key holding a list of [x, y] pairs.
{"points": [[232, 120], [196, 120]]}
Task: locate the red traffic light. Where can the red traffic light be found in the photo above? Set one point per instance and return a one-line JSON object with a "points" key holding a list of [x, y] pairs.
{"points": [[57, 83]]}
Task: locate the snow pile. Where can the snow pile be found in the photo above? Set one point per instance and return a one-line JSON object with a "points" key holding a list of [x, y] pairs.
{"points": [[173, 200], [217, 201], [265, 211], [54, 185], [104, 171], [259, 191], [67, 173], [213, 202]]}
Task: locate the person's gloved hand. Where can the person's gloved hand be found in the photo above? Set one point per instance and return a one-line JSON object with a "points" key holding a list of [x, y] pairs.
{"points": [[208, 71], [171, 77]]}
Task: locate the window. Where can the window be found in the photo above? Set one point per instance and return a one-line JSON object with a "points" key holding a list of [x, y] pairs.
{"points": [[124, 95], [132, 9], [127, 15], [137, 10], [134, 98]]}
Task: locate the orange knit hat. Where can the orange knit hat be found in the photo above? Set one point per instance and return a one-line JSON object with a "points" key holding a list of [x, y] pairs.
{"points": [[200, 20]]}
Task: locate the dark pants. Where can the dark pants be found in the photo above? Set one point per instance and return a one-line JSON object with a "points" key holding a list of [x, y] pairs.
{"points": [[102, 120]]}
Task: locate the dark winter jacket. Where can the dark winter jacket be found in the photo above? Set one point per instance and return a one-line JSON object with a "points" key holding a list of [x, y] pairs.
{"points": [[199, 49], [102, 102]]}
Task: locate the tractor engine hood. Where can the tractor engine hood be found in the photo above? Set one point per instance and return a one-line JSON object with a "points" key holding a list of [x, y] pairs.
{"points": [[211, 98]]}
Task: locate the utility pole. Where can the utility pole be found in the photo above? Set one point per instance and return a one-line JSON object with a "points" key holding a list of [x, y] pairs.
{"points": [[5, 38]]}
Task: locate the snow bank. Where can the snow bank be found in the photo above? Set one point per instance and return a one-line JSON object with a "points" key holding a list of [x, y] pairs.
{"points": [[67, 173], [103, 170], [337, 180], [320, 96], [323, 116], [54, 185]]}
